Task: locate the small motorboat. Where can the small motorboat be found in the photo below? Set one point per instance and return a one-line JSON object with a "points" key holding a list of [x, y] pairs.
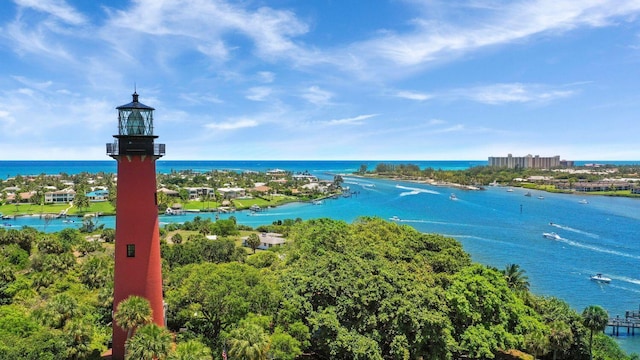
{"points": [[601, 279], [453, 196], [583, 201], [551, 235], [394, 218]]}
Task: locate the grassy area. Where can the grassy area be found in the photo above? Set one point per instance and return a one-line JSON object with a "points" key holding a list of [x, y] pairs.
{"points": [[105, 207], [21, 209], [30, 209], [236, 239]]}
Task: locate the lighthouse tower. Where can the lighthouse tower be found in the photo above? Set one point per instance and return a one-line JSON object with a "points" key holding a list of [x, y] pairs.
{"points": [[137, 246]]}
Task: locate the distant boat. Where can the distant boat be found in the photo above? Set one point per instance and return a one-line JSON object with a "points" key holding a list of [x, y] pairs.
{"points": [[528, 193], [551, 235], [583, 201], [453, 196], [601, 279], [317, 202], [394, 218], [509, 190], [541, 197]]}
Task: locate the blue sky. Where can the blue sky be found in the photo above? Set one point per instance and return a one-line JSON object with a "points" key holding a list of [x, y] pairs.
{"points": [[324, 79]]}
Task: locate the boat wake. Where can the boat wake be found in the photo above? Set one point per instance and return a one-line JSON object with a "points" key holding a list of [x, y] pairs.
{"points": [[629, 280], [576, 231], [434, 222], [268, 214], [598, 249], [415, 191]]}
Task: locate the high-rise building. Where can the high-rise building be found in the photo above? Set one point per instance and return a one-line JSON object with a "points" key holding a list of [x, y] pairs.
{"points": [[137, 245], [529, 161]]}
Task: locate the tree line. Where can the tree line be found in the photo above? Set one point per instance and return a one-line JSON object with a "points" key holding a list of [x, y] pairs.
{"points": [[371, 289]]}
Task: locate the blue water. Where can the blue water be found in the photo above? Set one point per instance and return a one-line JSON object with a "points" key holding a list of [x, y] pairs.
{"points": [[495, 226], [22, 167]]}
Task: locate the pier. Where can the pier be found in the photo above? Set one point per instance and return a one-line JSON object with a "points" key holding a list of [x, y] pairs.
{"points": [[630, 322]]}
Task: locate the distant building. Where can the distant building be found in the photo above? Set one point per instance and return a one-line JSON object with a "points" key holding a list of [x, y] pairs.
{"points": [[525, 162], [98, 195], [231, 192], [198, 192], [267, 240], [567, 163], [58, 197]]}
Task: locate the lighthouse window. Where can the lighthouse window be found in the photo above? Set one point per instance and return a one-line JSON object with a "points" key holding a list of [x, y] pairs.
{"points": [[131, 250]]}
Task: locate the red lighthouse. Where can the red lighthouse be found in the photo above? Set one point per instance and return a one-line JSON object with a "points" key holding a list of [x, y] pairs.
{"points": [[137, 246]]}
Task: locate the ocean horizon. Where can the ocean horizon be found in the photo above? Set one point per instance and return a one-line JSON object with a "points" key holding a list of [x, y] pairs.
{"points": [[10, 168]]}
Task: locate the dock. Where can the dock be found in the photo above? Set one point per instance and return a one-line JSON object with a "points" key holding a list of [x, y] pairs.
{"points": [[630, 322]]}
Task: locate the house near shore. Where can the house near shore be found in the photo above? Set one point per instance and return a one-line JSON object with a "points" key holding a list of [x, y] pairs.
{"points": [[59, 197], [169, 192], [196, 193], [263, 189], [232, 192], [267, 240], [98, 195]]}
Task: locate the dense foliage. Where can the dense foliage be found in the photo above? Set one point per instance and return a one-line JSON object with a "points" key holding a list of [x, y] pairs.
{"points": [[367, 290]]}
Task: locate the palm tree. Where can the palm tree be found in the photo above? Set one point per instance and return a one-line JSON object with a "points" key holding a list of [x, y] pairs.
{"points": [[151, 342], [594, 318], [78, 339], [61, 309], [537, 343], [248, 342], [131, 313], [516, 279], [253, 241], [191, 350], [560, 338]]}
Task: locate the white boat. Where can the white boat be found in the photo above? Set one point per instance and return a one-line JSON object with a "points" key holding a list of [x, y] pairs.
{"points": [[317, 202], [453, 196], [541, 197], [551, 235], [509, 190], [599, 278], [394, 218], [583, 201]]}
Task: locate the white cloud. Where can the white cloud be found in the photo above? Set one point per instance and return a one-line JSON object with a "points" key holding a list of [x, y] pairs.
{"points": [[317, 96], [413, 95], [258, 93], [513, 93], [207, 22], [200, 98], [357, 120], [57, 8], [232, 125], [437, 40], [266, 76], [34, 41]]}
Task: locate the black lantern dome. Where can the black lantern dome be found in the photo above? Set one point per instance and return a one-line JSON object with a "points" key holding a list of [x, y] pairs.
{"points": [[135, 118], [135, 131]]}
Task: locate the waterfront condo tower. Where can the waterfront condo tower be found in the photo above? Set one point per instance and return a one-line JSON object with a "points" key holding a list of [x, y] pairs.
{"points": [[137, 246]]}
